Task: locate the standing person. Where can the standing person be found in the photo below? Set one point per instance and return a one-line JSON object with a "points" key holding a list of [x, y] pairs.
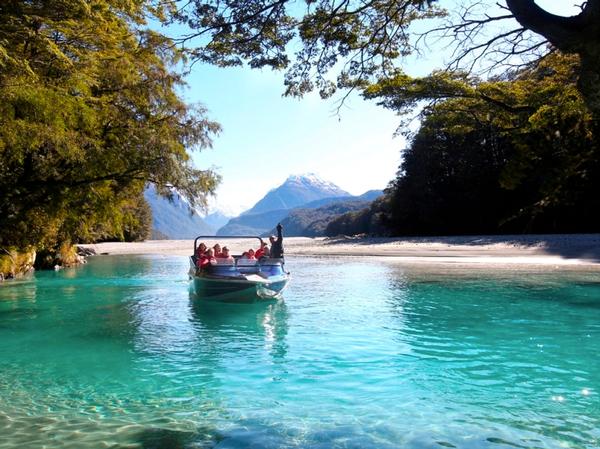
{"points": [[277, 243]]}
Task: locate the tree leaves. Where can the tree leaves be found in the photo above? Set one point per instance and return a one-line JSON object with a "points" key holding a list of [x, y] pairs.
{"points": [[517, 154], [89, 114]]}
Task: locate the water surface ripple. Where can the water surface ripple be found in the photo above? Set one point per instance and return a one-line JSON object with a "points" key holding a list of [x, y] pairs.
{"points": [[360, 354]]}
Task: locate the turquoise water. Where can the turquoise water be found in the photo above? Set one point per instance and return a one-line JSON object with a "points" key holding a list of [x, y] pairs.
{"points": [[359, 354]]}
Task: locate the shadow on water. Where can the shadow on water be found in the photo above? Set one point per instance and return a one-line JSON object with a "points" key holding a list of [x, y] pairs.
{"points": [[253, 434], [156, 438]]}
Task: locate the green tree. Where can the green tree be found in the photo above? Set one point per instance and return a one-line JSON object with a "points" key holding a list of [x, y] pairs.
{"points": [[513, 154], [89, 113], [362, 40]]}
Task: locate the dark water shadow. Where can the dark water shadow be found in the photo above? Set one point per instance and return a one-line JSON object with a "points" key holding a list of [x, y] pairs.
{"points": [[251, 433], [156, 438]]}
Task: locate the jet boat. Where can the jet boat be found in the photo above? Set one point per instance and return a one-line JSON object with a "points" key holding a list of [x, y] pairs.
{"points": [[239, 278]]}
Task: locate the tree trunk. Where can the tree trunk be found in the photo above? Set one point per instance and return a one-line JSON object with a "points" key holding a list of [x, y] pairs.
{"points": [[578, 34]]}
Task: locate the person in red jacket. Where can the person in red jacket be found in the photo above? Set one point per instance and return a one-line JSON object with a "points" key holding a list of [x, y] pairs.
{"points": [[263, 251], [200, 250], [208, 258]]}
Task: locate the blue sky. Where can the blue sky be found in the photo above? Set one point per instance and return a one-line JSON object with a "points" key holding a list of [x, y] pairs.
{"points": [[267, 137]]}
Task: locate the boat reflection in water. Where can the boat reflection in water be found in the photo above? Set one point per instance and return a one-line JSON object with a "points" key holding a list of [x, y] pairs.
{"points": [[239, 279], [233, 330]]}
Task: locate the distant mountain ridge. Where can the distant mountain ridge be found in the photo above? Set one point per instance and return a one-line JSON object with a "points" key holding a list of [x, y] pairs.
{"points": [[312, 219], [217, 219], [175, 219], [304, 222], [297, 190]]}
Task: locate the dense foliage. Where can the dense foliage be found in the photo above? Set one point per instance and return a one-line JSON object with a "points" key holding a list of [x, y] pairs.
{"points": [[88, 114], [371, 220], [518, 154], [348, 43]]}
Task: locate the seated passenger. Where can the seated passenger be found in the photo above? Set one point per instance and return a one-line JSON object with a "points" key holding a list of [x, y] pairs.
{"points": [[226, 258], [208, 258], [263, 251], [245, 260], [200, 250], [217, 249], [251, 254]]}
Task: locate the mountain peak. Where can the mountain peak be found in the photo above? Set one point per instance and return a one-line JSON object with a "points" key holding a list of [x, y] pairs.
{"points": [[297, 189], [312, 179], [307, 177]]}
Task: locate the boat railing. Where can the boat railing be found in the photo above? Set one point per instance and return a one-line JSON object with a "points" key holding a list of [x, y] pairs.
{"points": [[212, 237], [267, 266]]}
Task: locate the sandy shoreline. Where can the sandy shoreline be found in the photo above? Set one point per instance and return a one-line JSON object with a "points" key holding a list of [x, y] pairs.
{"points": [[555, 250]]}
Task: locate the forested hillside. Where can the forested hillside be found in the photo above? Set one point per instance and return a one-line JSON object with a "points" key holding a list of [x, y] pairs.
{"points": [[302, 222], [516, 154]]}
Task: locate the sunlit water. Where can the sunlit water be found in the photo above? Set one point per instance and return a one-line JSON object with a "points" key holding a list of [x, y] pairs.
{"points": [[359, 354]]}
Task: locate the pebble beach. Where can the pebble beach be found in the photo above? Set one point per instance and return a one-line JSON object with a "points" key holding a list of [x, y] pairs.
{"points": [[561, 250]]}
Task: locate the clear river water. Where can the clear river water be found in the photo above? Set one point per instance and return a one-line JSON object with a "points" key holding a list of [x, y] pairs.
{"points": [[359, 354]]}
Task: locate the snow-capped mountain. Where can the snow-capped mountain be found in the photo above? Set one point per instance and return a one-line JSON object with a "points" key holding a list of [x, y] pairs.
{"points": [[295, 191]]}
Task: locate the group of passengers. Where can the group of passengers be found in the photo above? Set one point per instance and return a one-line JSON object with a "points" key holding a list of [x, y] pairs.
{"points": [[216, 255], [263, 251], [212, 256]]}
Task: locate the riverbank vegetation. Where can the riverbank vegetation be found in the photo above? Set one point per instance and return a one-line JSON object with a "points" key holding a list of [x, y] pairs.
{"points": [[515, 154], [89, 113]]}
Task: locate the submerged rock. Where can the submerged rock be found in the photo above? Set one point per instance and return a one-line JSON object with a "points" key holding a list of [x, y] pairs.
{"points": [[84, 252]]}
